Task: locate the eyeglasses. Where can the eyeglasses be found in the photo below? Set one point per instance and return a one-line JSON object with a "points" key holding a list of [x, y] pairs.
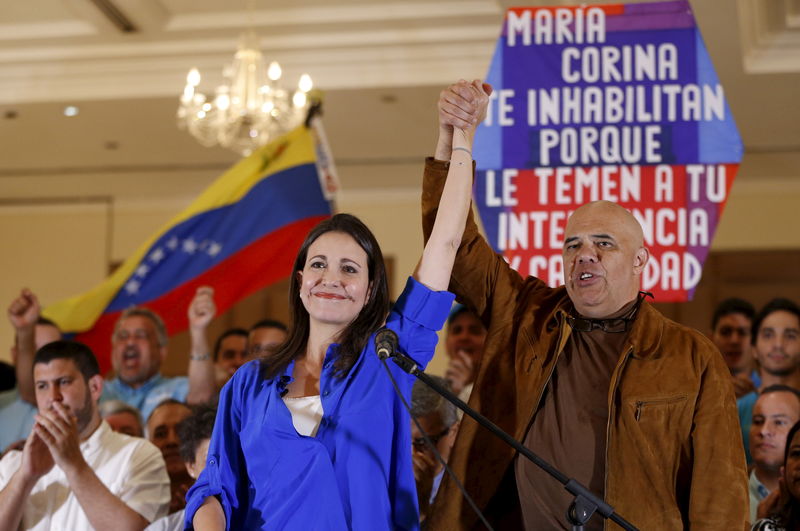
{"points": [[139, 334], [420, 444]]}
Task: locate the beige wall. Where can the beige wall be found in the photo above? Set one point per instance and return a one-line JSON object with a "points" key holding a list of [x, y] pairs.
{"points": [[62, 247], [37, 240], [763, 209]]}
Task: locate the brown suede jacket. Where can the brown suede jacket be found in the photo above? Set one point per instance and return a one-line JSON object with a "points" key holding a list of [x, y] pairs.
{"points": [[674, 447]]}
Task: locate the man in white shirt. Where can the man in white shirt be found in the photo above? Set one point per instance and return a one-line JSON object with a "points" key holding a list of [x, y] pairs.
{"points": [[75, 472]]}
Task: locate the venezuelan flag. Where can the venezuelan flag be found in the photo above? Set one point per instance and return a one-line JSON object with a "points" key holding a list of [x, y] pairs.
{"points": [[239, 236]]}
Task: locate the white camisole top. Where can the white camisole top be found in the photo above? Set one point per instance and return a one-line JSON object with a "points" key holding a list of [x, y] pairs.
{"points": [[306, 413]]}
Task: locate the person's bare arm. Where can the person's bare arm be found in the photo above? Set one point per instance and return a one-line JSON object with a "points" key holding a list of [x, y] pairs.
{"points": [[23, 314], [58, 429], [102, 508], [202, 380], [210, 516], [462, 107], [12, 501]]}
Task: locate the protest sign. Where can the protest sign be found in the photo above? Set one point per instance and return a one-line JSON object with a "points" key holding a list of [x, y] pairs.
{"points": [[617, 102]]}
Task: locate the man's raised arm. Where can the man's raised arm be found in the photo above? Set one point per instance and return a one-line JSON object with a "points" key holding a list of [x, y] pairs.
{"points": [[202, 382], [23, 313]]}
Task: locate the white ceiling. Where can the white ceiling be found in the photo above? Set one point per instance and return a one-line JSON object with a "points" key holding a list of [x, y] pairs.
{"points": [[380, 63]]}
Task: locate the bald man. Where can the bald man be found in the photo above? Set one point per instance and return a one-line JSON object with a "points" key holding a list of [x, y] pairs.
{"points": [[589, 376]]}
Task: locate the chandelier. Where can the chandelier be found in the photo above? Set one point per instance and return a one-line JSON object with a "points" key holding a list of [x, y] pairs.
{"points": [[249, 109]]}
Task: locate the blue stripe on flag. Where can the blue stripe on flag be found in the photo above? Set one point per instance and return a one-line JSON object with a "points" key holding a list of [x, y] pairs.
{"points": [[196, 244]]}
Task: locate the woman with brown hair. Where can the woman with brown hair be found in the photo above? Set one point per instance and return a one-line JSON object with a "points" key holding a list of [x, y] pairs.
{"points": [[316, 437]]}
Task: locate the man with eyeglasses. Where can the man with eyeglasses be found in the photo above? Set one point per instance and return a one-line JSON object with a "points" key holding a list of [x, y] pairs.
{"points": [[139, 347], [439, 421]]}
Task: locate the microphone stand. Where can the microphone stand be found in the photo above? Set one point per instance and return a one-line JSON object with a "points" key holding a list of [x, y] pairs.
{"points": [[585, 503]]}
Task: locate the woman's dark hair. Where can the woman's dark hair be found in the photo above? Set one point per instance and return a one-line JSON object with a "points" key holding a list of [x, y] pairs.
{"points": [[355, 336]]}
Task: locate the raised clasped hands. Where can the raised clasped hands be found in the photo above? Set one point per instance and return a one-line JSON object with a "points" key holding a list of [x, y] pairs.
{"points": [[463, 105]]}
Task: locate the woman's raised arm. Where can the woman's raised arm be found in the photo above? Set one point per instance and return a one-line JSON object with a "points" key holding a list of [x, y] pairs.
{"points": [[462, 106]]}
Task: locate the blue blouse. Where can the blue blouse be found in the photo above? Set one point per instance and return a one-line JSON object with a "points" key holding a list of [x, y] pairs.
{"points": [[356, 473]]}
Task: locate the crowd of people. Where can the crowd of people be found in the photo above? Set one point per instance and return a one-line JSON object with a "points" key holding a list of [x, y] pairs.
{"points": [[167, 424], [762, 351], [302, 426]]}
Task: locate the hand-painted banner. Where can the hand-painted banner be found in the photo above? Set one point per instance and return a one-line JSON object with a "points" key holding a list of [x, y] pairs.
{"points": [[617, 102]]}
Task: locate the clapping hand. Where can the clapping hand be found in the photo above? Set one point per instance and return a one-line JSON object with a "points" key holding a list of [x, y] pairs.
{"points": [[36, 458], [58, 429]]}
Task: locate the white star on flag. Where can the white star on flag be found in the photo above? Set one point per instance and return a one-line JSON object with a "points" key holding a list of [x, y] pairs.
{"points": [[173, 243], [189, 245], [157, 255], [142, 270], [214, 249], [132, 287]]}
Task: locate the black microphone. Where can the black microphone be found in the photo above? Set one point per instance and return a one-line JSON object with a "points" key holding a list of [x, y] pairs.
{"points": [[385, 343]]}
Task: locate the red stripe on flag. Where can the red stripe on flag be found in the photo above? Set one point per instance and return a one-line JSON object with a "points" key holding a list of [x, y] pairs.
{"points": [[254, 267]]}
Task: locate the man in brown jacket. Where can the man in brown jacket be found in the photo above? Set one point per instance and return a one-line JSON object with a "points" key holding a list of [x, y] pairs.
{"points": [[589, 376]]}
